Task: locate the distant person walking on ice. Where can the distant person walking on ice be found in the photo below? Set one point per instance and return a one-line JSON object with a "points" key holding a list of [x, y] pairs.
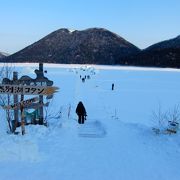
{"points": [[112, 86], [81, 112]]}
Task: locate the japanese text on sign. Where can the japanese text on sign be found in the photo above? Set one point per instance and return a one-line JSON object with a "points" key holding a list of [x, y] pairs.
{"points": [[22, 103], [26, 90]]}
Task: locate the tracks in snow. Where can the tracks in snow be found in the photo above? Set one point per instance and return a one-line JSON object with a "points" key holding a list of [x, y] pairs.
{"points": [[92, 129]]}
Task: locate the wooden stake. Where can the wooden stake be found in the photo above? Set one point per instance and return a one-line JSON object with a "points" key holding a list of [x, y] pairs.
{"points": [[41, 109], [22, 116], [15, 96]]}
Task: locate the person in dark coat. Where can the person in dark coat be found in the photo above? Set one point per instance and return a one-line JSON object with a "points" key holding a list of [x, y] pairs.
{"points": [[112, 86], [81, 112]]}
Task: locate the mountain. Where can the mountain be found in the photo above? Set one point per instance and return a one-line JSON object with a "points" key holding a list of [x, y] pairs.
{"points": [[90, 46], [3, 55], [163, 54], [97, 46]]}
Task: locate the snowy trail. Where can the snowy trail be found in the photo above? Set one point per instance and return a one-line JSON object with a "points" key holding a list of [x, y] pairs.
{"points": [[92, 129], [78, 94], [74, 157]]}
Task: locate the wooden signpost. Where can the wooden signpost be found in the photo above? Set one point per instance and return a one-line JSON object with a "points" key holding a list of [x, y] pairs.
{"points": [[26, 85], [36, 105], [27, 90], [27, 104], [23, 103]]}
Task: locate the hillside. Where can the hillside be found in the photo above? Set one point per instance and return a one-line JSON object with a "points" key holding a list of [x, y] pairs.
{"points": [[163, 54], [3, 55], [97, 46], [91, 46]]}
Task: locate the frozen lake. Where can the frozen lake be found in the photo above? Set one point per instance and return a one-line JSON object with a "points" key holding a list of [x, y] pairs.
{"points": [[116, 142]]}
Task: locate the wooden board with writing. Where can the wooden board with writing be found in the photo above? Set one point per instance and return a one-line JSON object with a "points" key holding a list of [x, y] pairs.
{"points": [[27, 90], [24, 103]]}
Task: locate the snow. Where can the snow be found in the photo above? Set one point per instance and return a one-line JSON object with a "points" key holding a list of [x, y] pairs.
{"points": [[4, 54], [71, 30], [116, 142]]}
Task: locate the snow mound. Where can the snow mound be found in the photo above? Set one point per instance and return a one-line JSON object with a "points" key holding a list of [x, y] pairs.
{"points": [[23, 148], [19, 150]]}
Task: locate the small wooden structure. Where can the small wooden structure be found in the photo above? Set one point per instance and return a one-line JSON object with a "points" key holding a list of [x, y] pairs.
{"points": [[26, 85]]}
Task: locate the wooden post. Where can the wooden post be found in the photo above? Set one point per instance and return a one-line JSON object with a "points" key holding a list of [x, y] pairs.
{"points": [[15, 96], [8, 112], [22, 116], [41, 111]]}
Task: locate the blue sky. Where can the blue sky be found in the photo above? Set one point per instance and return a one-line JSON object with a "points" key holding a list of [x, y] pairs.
{"points": [[142, 22]]}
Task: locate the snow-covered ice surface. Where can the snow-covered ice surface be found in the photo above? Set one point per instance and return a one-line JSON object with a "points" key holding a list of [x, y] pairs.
{"points": [[116, 142]]}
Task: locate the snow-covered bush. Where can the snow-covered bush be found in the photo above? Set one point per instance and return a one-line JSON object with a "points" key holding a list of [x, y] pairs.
{"points": [[159, 118], [166, 121], [6, 71], [174, 114]]}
